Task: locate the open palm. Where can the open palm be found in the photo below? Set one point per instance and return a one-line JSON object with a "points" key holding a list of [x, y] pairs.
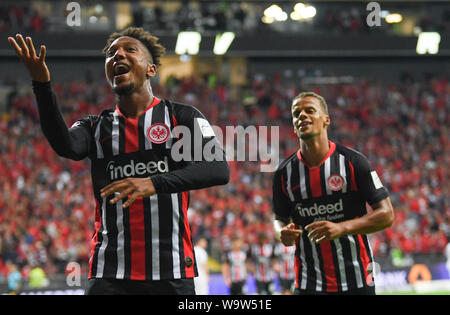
{"points": [[35, 65]]}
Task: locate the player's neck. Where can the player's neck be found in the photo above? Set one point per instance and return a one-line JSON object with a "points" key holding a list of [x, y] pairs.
{"points": [[134, 104], [315, 149]]}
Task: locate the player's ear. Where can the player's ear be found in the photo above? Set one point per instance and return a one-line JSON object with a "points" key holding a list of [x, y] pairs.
{"points": [[151, 70], [327, 120]]}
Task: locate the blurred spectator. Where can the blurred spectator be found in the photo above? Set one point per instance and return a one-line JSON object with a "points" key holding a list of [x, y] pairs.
{"points": [[37, 278], [14, 278], [240, 17]]}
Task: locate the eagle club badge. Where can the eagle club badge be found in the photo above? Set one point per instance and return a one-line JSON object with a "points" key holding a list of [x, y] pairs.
{"points": [[158, 133], [335, 182]]}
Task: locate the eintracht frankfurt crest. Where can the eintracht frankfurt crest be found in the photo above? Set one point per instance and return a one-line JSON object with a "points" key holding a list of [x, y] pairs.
{"points": [[335, 182], [158, 133]]}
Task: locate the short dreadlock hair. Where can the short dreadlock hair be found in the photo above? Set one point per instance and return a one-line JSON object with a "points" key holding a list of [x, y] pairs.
{"points": [[151, 42]]}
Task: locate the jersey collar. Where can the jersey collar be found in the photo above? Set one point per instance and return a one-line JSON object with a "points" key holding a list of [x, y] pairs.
{"points": [[330, 152], [155, 102]]}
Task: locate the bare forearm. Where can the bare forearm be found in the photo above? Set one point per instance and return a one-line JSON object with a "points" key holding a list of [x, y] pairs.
{"points": [[381, 218]]}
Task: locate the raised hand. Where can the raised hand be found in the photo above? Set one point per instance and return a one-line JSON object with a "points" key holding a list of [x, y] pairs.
{"points": [[27, 54]]}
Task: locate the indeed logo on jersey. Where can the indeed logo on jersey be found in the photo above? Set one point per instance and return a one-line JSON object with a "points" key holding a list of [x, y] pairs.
{"points": [[332, 210], [135, 169]]}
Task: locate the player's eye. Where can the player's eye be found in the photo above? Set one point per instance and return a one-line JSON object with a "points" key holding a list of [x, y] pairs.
{"points": [[131, 49]]}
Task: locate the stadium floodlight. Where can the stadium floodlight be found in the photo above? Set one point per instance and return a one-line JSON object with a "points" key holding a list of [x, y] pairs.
{"points": [[273, 11], [281, 16], [223, 42], [295, 16], [309, 12], [394, 18], [299, 6], [428, 42], [303, 12], [188, 43], [267, 19]]}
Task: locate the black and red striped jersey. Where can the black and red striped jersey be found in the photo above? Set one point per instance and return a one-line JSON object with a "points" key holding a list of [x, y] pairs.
{"points": [[336, 191], [151, 239], [262, 256], [286, 258], [237, 262]]}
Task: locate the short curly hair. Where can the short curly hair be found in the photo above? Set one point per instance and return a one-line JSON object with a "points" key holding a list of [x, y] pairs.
{"points": [[151, 42], [322, 101]]}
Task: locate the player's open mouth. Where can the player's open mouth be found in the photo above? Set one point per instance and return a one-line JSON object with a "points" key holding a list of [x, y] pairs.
{"points": [[120, 70]]}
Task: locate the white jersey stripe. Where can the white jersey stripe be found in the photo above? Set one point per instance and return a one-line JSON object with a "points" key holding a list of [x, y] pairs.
{"points": [[120, 241], [343, 172], [302, 181], [115, 134], [101, 251], [327, 174], [97, 140], [155, 237], [147, 125], [317, 267], [341, 263], [358, 275], [304, 280], [167, 122], [175, 237], [288, 181]]}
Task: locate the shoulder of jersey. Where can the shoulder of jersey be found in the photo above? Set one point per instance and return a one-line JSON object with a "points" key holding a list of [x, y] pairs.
{"points": [[349, 152], [177, 106], [106, 112], [286, 161]]}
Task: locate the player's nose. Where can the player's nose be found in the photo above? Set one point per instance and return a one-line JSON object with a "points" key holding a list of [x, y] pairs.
{"points": [[119, 54], [302, 115]]}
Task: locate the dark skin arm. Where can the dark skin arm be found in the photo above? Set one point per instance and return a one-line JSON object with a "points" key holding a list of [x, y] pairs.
{"points": [[379, 219]]}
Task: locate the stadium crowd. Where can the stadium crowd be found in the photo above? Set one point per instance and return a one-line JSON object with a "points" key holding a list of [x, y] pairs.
{"points": [[47, 209], [238, 16]]}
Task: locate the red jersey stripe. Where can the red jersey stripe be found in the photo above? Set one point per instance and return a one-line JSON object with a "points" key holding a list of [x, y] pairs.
{"points": [[137, 236], [353, 180], [314, 179], [364, 257], [330, 272], [187, 243], [131, 135]]}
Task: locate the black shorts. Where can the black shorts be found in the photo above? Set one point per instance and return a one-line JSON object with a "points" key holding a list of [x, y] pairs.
{"points": [[264, 287], [140, 287], [287, 285], [237, 288], [362, 291]]}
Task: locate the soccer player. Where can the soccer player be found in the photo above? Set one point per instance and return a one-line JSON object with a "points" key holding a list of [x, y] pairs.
{"points": [[319, 200], [285, 267], [234, 267], [142, 242], [262, 256]]}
